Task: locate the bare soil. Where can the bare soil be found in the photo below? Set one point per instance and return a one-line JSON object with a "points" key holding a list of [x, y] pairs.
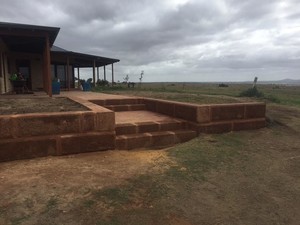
{"points": [[10, 106], [32, 187]]}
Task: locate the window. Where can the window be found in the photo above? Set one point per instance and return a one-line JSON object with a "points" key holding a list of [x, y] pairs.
{"points": [[1, 61], [53, 71]]}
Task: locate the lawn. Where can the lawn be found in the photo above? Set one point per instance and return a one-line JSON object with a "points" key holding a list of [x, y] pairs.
{"points": [[202, 93], [249, 177]]}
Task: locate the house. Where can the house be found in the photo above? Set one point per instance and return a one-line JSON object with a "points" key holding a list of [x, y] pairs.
{"points": [[30, 50]]}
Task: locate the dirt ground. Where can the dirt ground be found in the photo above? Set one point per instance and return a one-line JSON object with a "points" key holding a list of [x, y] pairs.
{"points": [[69, 178], [261, 185], [38, 104]]}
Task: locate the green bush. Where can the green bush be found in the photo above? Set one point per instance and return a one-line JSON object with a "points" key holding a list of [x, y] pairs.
{"points": [[251, 92], [102, 83], [272, 98]]}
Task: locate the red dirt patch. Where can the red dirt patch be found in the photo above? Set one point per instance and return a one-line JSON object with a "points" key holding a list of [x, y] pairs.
{"points": [[10, 106]]}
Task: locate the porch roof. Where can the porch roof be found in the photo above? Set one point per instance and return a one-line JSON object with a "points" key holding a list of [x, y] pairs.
{"points": [[82, 59], [27, 38]]}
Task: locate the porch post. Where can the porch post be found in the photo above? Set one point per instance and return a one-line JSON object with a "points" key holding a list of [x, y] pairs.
{"points": [[104, 73], [94, 73], [78, 74], [4, 71], [97, 73], [47, 72], [68, 73], [112, 74]]}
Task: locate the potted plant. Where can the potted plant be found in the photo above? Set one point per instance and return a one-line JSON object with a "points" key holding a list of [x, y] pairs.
{"points": [[18, 82]]}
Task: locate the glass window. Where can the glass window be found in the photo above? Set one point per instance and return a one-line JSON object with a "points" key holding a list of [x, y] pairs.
{"points": [[53, 71], [1, 61]]}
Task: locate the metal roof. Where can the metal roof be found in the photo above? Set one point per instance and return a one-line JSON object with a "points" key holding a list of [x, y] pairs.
{"points": [[55, 48], [13, 28], [30, 38], [83, 60]]}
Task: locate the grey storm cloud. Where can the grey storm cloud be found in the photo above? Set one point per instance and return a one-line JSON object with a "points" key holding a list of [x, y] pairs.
{"points": [[205, 40]]}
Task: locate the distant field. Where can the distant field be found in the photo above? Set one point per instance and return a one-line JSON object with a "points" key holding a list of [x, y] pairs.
{"points": [[203, 93]]}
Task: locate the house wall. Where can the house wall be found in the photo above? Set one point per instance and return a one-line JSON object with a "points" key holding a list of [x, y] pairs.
{"points": [[2, 87], [62, 60], [37, 74], [36, 66]]}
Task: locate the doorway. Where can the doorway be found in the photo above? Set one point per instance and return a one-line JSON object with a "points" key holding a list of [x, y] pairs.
{"points": [[23, 67]]}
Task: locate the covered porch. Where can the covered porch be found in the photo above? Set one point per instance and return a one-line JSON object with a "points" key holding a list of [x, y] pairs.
{"points": [[66, 65], [28, 50]]}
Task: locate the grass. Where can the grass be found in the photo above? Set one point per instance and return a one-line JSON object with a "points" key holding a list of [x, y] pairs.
{"points": [[242, 156], [249, 177], [150, 198], [208, 93], [236, 159]]}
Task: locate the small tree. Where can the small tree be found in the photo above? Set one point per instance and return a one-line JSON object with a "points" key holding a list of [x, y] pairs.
{"points": [[252, 92], [254, 82], [126, 79], [141, 77]]}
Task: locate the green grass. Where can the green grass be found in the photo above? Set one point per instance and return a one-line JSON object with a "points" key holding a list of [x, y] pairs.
{"points": [[285, 95], [199, 156], [150, 198], [208, 93], [148, 195]]}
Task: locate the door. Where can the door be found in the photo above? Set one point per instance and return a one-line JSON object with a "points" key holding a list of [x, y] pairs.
{"points": [[23, 67]]}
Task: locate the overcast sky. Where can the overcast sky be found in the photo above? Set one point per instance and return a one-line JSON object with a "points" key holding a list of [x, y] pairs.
{"points": [[176, 40]]}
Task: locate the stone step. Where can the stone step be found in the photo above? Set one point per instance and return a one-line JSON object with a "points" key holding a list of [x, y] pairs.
{"points": [[127, 107], [144, 127], [53, 145], [156, 140], [119, 101]]}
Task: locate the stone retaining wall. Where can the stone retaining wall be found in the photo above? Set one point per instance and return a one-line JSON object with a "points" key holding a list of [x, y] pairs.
{"points": [[25, 136], [42, 134], [216, 118]]}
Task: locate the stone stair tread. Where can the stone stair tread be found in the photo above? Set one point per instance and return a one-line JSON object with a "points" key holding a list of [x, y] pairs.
{"points": [[144, 127], [126, 107], [157, 139]]}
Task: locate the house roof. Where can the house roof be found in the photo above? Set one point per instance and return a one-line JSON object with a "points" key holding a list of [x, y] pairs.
{"points": [[17, 29], [31, 39], [55, 48], [82, 59], [27, 38]]}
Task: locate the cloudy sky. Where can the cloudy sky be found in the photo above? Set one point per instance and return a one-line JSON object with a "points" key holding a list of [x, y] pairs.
{"points": [[176, 40]]}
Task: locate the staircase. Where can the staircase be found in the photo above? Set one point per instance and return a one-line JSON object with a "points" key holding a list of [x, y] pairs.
{"points": [[120, 105], [138, 128], [157, 134]]}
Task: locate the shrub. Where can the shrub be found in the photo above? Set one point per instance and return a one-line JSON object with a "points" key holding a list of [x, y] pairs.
{"points": [[251, 92], [272, 98], [102, 83], [223, 85]]}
